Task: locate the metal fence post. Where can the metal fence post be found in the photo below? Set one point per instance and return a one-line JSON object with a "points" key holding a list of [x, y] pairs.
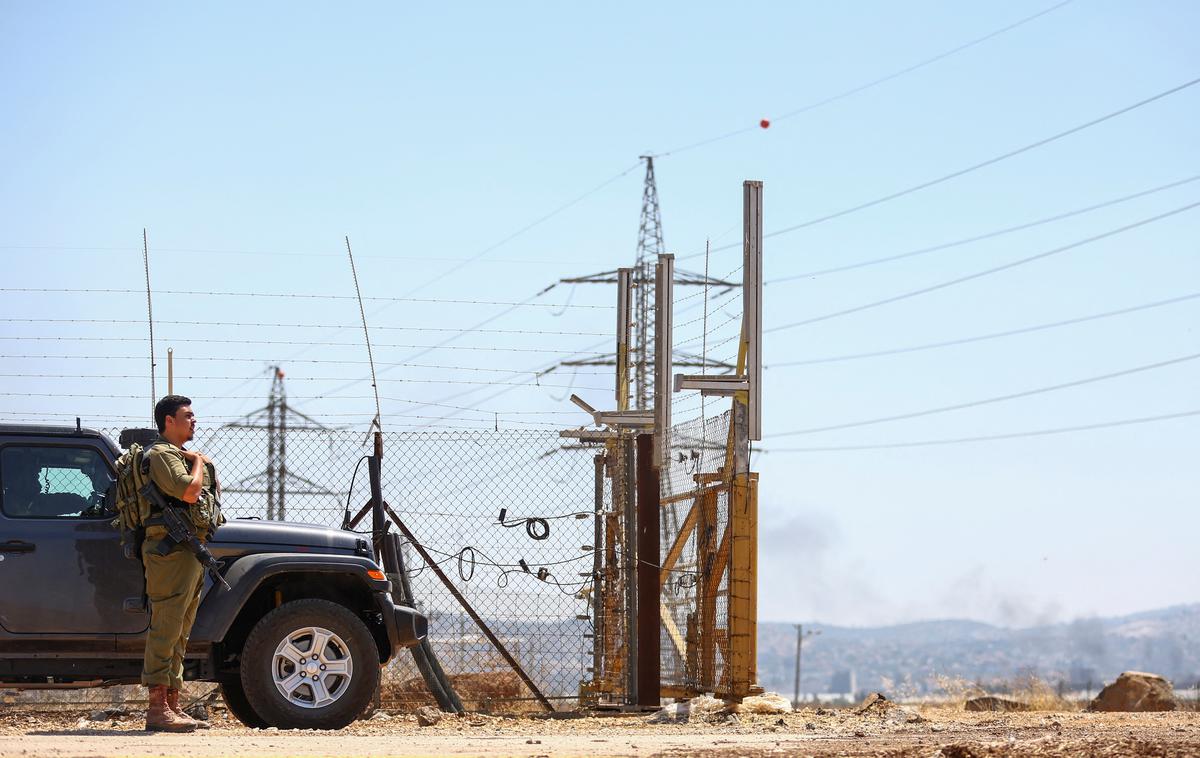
{"points": [[649, 600], [629, 553]]}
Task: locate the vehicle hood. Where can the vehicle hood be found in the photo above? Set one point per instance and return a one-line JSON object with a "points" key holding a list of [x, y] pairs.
{"points": [[286, 534]]}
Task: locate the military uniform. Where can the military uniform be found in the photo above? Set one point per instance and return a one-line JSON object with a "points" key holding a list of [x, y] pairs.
{"points": [[173, 580]]}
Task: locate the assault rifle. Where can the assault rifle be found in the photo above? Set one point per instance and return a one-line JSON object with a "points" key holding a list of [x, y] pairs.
{"points": [[180, 532]]}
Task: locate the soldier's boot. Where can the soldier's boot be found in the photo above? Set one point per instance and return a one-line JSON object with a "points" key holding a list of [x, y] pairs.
{"points": [[173, 704], [160, 717]]}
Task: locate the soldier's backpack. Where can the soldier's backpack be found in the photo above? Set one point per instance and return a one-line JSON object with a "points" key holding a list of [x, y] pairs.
{"points": [[133, 510]]}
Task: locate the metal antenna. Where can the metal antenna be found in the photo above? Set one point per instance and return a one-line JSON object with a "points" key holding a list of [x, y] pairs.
{"points": [[149, 319], [376, 422]]}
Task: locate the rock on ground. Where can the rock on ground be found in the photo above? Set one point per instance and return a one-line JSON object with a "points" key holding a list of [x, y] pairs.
{"points": [[427, 715], [1136, 691], [198, 711], [770, 702], [877, 704], [702, 708], [990, 703]]}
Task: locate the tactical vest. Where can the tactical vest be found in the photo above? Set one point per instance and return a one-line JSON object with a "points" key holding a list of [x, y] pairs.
{"points": [[205, 514]]}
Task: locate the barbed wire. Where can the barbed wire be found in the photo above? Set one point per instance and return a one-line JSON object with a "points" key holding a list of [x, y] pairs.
{"points": [[293, 295], [481, 348], [247, 324]]}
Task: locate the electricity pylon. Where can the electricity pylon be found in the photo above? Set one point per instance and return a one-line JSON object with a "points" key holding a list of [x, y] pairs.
{"points": [[274, 480], [649, 247]]}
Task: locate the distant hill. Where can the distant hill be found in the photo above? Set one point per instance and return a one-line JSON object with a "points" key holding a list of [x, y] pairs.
{"points": [[1081, 654]]}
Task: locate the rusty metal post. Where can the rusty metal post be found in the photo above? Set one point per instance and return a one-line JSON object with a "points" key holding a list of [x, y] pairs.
{"points": [[624, 320], [598, 551], [374, 474], [629, 544], [649, 664], [743, 586], [664, 309]]}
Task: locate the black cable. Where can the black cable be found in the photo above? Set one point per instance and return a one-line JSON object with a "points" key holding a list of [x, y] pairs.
{"points": [[986, 272], [989, 400], [470, 555], [982, 337], [350, 492]]}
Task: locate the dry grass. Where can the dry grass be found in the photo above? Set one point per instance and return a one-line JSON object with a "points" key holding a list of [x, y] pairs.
{"points": [[1035, 693], [484, 692]]}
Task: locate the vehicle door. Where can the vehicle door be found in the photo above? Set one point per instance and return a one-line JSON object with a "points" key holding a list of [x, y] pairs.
{"points": [[62, 569]]}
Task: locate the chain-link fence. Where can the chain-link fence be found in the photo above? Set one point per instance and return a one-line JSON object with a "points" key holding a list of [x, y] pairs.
{"points": [[509, 516], [694, 545]]}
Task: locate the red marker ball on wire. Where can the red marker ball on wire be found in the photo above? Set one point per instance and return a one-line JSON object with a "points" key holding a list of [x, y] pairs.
{"points": [[764, 123]]}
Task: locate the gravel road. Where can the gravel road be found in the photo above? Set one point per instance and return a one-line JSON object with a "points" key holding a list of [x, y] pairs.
{"points": [[898, 733]]}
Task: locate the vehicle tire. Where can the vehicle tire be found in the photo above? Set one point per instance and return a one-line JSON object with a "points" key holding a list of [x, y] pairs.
{"points": [[309, 664], [237, 704]]}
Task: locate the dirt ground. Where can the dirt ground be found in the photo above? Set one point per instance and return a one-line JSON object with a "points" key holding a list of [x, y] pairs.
{"points": [[897, 733]]}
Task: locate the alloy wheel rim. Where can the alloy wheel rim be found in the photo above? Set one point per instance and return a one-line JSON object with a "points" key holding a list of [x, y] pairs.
{"points": [[312, 667]]}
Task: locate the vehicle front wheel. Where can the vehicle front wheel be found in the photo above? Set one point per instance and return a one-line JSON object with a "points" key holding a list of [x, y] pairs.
{"points": [[309, 664]]}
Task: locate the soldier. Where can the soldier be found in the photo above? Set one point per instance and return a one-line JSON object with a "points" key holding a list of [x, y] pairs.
{"points": [[174, 577]]}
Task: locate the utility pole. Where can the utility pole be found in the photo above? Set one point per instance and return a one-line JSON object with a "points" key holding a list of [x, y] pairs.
{"points": [[800, 635], [274, 479]]}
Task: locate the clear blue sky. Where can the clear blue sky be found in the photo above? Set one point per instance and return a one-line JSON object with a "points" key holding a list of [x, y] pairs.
{"points": [[262, 133]]}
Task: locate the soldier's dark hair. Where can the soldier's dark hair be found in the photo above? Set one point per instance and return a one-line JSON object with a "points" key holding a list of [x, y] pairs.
{"points": [[168, 406]]}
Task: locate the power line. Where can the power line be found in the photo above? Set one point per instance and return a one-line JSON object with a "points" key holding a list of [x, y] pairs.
{"points": [[981, 237], [284, 253], [545, 369], [328, 397], [294, 360], [296, 296], [992, 437], [207, 377], [996, 399], [483, 424], [358, 414], [485, 251], [985, 272], [873, 83], [525, 228], [205, 340], [990, 336], [972, 168], [444, 344], [244, 324]]}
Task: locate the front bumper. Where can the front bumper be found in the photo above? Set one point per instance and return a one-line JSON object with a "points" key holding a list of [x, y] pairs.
{"points": [[405, 626]]}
